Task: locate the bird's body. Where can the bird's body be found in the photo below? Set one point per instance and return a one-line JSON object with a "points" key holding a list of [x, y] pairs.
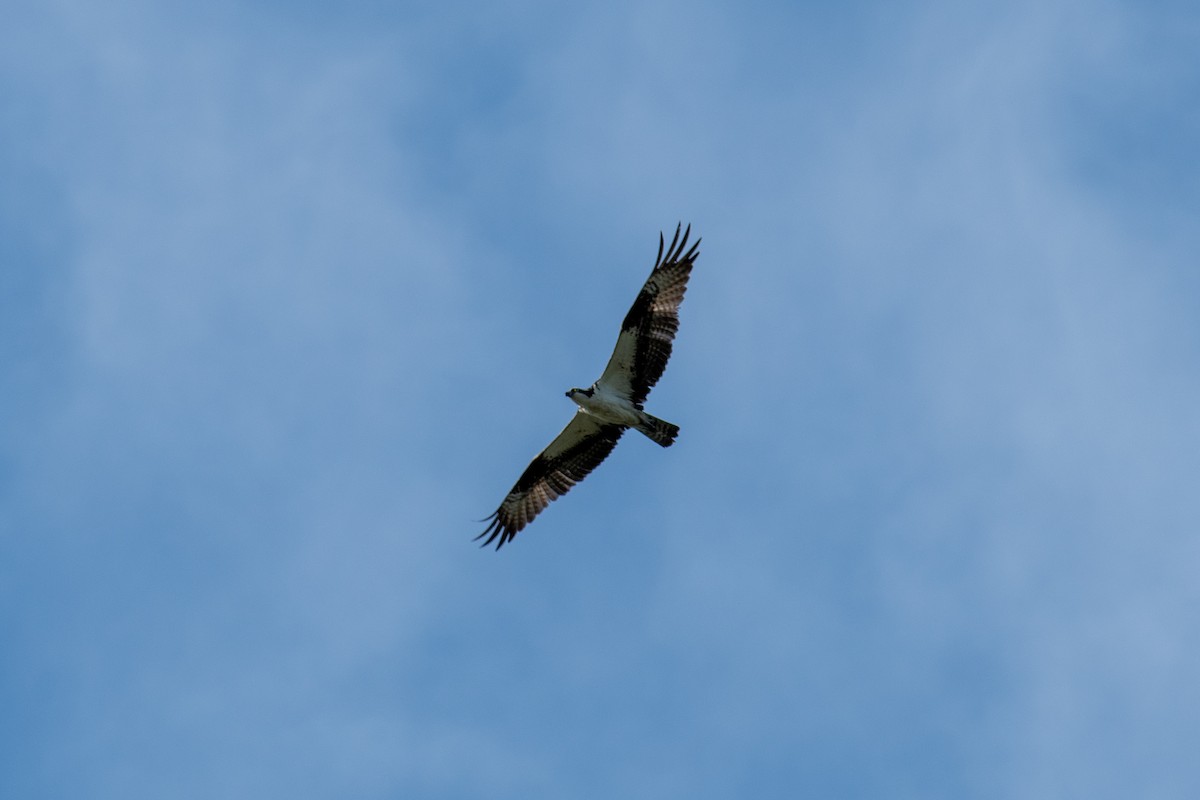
{"points": [[612, 404], [606, 405], [609, 406]]}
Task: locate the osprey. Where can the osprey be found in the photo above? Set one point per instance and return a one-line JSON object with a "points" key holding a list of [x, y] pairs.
{"points": [[611, 405]]}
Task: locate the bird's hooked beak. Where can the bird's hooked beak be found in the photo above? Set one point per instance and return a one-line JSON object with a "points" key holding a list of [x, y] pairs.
{"points": [[569, 392]]}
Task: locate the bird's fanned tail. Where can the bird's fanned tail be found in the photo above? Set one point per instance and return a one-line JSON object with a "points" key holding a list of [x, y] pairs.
{"points": [[659, 430]]}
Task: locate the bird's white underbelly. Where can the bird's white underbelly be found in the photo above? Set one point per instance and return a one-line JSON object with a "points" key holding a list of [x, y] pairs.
{"points": [[609, 408]]}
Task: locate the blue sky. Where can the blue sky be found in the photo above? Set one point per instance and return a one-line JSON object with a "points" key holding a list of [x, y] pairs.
{"points": [[290, 294]]}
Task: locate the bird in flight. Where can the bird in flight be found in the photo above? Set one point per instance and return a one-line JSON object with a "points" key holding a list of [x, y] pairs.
{"points": [[611, 405]]}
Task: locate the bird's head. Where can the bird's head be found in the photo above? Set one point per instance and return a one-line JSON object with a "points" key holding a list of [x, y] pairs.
{"points": [[573, 393]]}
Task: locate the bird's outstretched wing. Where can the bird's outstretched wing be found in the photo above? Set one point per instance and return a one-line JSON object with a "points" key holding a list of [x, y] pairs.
{"points": [[644, 345], [579, 449]]}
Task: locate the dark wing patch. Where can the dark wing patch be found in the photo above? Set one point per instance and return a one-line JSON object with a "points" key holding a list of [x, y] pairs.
{"points": [[644, 345], [575, 452]]}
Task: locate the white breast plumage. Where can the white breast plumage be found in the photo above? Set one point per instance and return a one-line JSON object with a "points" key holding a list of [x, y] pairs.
{"points": [[609, 407]]}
